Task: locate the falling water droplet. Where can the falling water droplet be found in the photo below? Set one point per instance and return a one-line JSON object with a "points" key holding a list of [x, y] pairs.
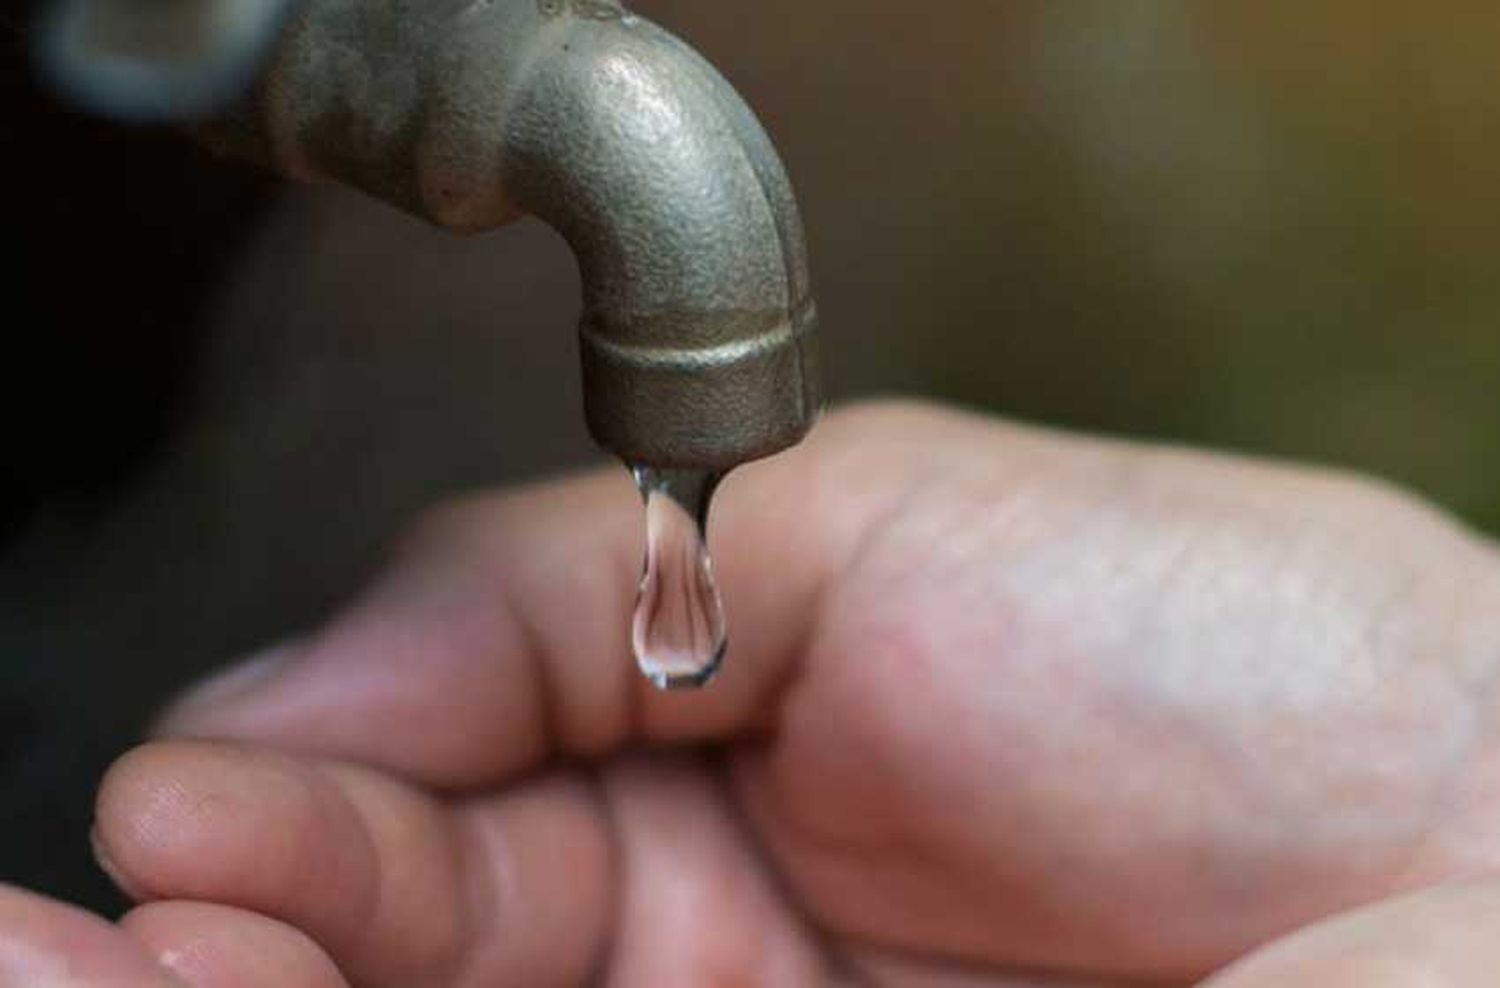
{"points": [[678, 632]]}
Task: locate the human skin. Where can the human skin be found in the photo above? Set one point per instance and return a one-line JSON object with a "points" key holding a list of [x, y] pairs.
{"points": [[1004, 707]]}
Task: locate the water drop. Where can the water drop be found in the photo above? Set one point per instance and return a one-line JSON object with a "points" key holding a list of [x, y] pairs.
{"points": [[678, 633]]}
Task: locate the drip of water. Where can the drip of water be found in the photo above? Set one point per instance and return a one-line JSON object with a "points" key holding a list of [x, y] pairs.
{"points": [[678, 633]]}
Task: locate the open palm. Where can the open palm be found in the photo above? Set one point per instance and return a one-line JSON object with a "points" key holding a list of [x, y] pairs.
{"points": [[1003, 708]]}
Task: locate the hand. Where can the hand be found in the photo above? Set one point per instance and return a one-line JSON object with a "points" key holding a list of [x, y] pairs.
{"points": [[1003, 707]]}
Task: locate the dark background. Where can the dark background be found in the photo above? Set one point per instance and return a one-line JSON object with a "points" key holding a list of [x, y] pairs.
{"points": [[1269, 226]]}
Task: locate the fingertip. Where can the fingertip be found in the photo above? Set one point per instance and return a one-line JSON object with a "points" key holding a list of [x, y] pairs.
{"points": [[143, 810], [214, 946], [189, 819], [112, 871], [136, 805], [47, 943], [195, 706], [360, 862]]}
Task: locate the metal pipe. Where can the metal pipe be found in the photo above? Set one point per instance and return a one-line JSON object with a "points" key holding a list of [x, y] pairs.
{"points": [[698, 319]]}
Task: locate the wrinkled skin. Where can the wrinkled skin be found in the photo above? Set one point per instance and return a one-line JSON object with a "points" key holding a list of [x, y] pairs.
{"points": [[1004, 707]]}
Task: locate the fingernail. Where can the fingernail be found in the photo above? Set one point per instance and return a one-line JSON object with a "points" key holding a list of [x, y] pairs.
{"points": [[224, 688]]}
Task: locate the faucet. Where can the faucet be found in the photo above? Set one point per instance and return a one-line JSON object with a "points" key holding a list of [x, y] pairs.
{"points": [[698, 323]]}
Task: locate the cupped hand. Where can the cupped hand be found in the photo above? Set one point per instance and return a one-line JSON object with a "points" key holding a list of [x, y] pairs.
{"points": [[1003, 707]]}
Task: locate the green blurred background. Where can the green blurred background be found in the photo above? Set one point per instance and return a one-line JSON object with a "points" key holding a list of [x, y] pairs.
{"points": [[1269, 226], [1265, 226]]}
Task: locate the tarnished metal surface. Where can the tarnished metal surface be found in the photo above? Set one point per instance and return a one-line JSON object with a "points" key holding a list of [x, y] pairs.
{"points": [[698, 321]]}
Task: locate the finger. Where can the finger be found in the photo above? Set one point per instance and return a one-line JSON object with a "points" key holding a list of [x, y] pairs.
{"points": [[500, 633], [47, 943], [397, 888], [696, 906], [1446, 936], [213, 946]]}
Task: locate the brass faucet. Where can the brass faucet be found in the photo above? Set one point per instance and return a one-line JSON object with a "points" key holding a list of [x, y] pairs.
{"points": [[698, 321]]}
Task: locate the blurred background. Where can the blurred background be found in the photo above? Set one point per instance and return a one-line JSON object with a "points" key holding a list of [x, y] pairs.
{"points": [[1254, 224]]}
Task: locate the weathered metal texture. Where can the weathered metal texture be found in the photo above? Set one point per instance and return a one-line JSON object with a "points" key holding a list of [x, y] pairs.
{"points": [[698, 320]]}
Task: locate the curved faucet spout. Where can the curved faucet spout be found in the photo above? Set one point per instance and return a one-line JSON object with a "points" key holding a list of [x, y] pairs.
{"points": [[698, 321]]}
